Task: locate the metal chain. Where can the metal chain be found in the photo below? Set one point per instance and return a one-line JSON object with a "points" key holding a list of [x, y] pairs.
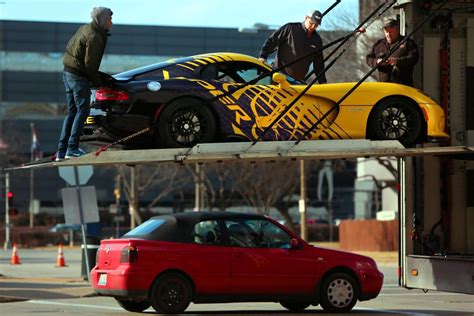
{"points": [[104, 148]]}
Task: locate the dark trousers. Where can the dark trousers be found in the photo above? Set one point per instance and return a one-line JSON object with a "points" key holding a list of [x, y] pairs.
{"points": [[78, 96]]}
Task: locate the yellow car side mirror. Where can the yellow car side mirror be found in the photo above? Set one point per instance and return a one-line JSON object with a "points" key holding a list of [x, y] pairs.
{"points": [[281, 80]]}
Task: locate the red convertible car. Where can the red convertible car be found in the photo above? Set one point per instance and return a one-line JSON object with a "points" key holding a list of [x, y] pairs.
{"points": [[208, 257]]}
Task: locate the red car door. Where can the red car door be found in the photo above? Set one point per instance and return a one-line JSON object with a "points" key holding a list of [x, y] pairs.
{"points": [[209, 259], [263, 263]]}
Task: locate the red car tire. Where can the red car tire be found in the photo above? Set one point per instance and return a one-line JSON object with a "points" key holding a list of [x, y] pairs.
{"points": [[295, 306], [133, 306], [171, 293], [339, 293]]}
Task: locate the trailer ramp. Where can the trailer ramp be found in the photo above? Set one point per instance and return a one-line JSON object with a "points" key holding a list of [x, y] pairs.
{"points": [[261, 151]]}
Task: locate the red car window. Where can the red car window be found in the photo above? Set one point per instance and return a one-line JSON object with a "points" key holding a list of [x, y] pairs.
{"points": [[208, 233], [145, 228], [256, 233]]}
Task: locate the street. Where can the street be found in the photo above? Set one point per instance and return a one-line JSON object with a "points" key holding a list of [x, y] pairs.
{"points": [[37, 286]]}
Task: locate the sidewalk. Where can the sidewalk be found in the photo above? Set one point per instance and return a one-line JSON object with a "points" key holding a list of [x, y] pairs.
{"points": [[37, 277], [22, 289]]}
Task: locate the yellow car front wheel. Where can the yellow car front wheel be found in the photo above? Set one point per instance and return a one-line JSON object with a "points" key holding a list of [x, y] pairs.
{"points": [[396, 118]]}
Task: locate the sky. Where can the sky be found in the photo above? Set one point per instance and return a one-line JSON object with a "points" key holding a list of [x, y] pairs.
{"points": [[189, 13]]}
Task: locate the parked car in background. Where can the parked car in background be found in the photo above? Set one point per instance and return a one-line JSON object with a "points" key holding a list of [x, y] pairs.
{"points": [[177, 100], [65, 233], [209, 257], [65, 228]]}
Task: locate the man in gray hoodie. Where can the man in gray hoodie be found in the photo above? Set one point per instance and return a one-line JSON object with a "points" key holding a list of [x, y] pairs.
{"points": [[81, 62]]}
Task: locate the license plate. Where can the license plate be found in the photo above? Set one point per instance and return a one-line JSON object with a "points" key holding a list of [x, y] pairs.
{"points": [[90, 120], [103, 279]]}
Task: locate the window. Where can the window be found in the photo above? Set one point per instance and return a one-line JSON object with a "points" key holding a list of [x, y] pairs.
{"points": [[209, 72], [207, 233], [252, 73], [235, 72], [222, 76], [145, 228], [257, 233]]}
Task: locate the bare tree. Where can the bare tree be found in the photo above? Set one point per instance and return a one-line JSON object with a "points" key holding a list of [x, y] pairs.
{"points": [[162, 178], [390, 165], [384, 182], [217, 181], [352, 64], [283, 205], [263, 184], [12, 146]]}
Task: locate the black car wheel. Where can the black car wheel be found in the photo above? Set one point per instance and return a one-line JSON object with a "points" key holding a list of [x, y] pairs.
{"points": [[184, 123], [396, 119], [339, 293], [171, 293], [295, 306], [133, 306]]}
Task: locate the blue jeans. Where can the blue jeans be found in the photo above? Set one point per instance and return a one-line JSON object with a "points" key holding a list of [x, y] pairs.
{"points": [[78, 96]]}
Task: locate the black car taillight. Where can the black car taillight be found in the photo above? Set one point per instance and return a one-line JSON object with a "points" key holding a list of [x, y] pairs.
{"points": [[129, 254], [111, 95]]}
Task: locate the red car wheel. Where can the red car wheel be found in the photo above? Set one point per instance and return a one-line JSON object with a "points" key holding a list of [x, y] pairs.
{"points": [[171, 293], [295, 306], [133, 306], [339, 293]]}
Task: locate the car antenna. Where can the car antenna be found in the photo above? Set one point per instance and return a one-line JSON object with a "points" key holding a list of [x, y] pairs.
{"points": [[392, 50], [358, 30]]}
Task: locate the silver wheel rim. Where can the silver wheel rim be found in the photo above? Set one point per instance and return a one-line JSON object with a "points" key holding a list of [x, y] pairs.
{"points": [[340, 293]]}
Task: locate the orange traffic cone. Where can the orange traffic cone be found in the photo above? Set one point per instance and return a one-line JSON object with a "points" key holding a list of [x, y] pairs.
{"points": [[15, 257], [60, 262]]}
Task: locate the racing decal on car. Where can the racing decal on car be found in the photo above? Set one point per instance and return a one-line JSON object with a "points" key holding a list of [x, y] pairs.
{"points": [[264, 104]]}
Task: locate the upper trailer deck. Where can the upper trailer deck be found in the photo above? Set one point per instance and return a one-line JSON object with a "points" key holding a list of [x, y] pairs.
{"points": [[261, 151]]}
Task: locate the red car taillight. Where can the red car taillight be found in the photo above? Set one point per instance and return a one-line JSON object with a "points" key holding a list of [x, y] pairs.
{"points": [[129, 254], [111, 95]]}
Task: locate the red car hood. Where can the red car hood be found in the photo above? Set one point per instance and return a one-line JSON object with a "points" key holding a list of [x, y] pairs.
{"points": [[345, 258]]}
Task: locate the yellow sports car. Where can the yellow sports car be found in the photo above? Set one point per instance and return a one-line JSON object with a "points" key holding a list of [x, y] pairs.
{"points": [[205, 98]]}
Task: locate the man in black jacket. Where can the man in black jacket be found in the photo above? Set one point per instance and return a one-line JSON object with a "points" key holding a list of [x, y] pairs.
{"points": [[399, 66], [81, 62], [293, 41]]}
